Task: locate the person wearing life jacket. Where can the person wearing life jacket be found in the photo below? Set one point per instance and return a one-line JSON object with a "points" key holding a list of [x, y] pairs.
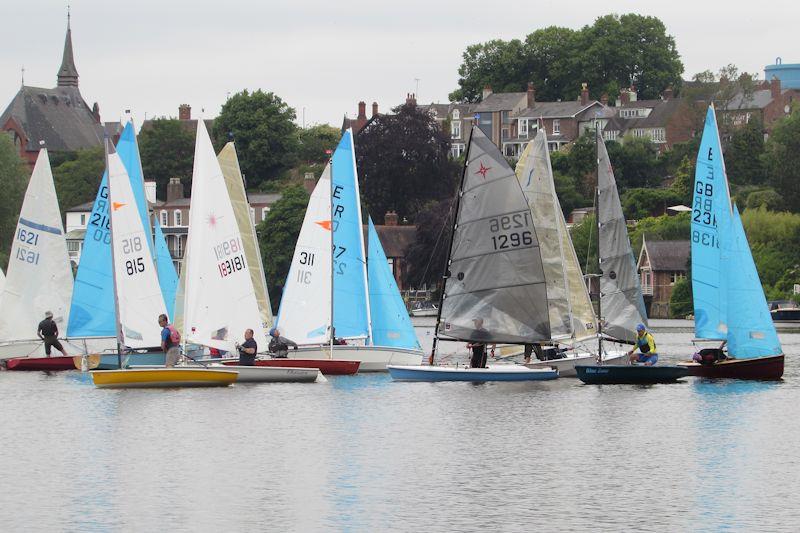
{"points": [[279, 346], [646, 345], [170, 341]]}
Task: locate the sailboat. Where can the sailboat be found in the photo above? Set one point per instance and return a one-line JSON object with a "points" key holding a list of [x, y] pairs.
{"points": [[328, 292], [494, 283], [167, 277], [138, 297], [729, 302], [39, 276]]}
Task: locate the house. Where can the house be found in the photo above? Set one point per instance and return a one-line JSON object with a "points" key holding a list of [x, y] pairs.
{"points": [[496, 111], [59, 116], [361, 120], [769, 103], [396, 240], [459, 117], [665, 121], [661, 264]]}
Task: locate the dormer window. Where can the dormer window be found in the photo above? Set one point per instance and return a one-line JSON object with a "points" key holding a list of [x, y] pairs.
{"points": [[523, 127], [456, 114]]}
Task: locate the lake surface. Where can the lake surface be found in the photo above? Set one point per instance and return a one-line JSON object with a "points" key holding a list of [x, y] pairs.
{"points": [[363, 453]]}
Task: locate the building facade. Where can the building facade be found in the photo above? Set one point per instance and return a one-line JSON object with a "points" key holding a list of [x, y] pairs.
{"points": [[661, 264]]}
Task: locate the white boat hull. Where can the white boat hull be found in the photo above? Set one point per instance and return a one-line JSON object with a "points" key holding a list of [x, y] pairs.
{"points": [[372, 358], [566, 365], [73, 346]]}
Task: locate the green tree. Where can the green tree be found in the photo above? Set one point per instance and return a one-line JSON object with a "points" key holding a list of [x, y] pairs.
{"points": [[265, 133], [782, 160], [743, 155], [427, 256], [277, 237], [501, 65], [403, 163], [313, 142], [77, 180], [680, 301], [642, 203], [766, 198], [635, 163], [14, 175], [584, 239], [683, 182], [167, 151]]}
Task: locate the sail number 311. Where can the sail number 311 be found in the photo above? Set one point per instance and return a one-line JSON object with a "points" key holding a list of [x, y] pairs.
{"points": [[511, 231]]}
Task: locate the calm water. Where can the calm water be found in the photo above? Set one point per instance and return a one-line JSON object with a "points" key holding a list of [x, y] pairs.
{"points": [[363, 453]]}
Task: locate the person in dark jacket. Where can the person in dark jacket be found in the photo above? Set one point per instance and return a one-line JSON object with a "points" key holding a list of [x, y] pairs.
{"points": [[478, 344], [248, 349], [279, 346], [48, 332]]}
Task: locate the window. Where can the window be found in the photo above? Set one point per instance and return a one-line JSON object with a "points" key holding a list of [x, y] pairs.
{"points": [[455, 129], [83, 219], [253, 216], [456, 114], [610, 135], [658, 135], [556, 126], [523, 127], [164, 218], [264, 213], [675, 276], [638, 132], [73, 247], [178, 251], [456, 150], [178, 217]]}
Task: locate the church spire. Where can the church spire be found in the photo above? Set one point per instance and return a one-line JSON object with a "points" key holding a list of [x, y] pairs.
{"points": [[68, 74]]}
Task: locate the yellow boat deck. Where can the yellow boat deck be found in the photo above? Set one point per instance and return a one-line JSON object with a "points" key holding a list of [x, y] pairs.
{"points": [[135, 378]]}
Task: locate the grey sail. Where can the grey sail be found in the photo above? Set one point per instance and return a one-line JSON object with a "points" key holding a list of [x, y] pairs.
{"points": [[571, 312], [621, 302], [495, 289]]}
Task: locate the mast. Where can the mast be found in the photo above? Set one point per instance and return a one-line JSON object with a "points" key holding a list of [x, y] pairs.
{"points": [[332, 329], [445, 274], [118, 325]]}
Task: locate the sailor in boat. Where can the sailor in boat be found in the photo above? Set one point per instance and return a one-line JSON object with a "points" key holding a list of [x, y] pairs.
{"points": [[477, 346], [279, 346], [646, 345], [170, 341], [48, 332], [248, 349], [710, 356]]}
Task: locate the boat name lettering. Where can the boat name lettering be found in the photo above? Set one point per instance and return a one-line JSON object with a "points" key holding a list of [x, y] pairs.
{"points": [[28, 236], [227, 248], [338, 209], [229, 266], [134, 266]]}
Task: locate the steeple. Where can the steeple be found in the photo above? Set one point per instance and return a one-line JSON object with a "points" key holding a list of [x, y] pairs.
{"points": [[68, 74]]}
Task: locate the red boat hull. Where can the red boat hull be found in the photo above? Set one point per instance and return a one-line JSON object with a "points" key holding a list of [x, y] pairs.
{"points": [[41, 363], [330, 367], [763, 368]]}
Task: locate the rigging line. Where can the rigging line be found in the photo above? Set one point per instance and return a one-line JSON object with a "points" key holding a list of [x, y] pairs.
{"points": [[438, 238], [591, 232]]}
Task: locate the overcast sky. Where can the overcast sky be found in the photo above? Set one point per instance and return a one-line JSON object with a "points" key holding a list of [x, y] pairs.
{"points": [[323, 56]]}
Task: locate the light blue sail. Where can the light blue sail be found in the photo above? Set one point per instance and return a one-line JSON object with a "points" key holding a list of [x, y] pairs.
{"points": [[167, 277], [128, 151], [391, 325], [350, 305], [751, 332], [710, 211], [92, 311]]}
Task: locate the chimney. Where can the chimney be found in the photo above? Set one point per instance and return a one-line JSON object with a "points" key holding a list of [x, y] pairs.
{"points": [[374, 109], [390, 218], [96, 112], [632, 92], [531, 95], [309, 182], [487, 90], [775, 87], [411, 99], [174, 190], [604, 99], [184, 112], [584, 93], [624, 96], [667, 94], [362, 110]]}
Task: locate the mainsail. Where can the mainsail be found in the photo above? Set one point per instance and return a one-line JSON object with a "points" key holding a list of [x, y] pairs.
{"points": [[751, 332], [391, 325], [220, 301], [229, 163], [495, 288], [167, 277], [621, 301], [305, 309], [711, 210], [39, 274], [351, 317], [139, 297]]}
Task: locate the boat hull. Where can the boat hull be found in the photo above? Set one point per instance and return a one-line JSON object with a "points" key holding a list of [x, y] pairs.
{"points": [[330, 367], [785, 315], [630, 374], [74, 346], [759, 368], [41, 363], [566, 366], [162, 378], [491, 373], [371, 358], [272, 374]]}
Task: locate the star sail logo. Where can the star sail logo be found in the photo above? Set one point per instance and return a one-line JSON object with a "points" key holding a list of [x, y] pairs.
{"points": [[212, 220], [483, 170]]}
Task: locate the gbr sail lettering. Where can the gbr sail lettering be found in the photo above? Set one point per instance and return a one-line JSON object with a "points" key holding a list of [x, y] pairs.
{"points": [[703, 206], [230, 257], [99, 220], [339, 261], [511, 231]]}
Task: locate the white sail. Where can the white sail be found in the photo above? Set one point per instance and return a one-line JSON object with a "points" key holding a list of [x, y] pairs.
{"points": [[139, 297], [2, 281], [220, 301], [229, 163], [305, 312], [39, 272]]}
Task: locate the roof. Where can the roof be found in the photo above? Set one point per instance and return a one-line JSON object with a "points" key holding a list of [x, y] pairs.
{"points": [[67, 73], [556, 109], [668, 255], [757, 100], [258, 198], [444, 110], [87, 206], [394, 239], [658, 117], [59, 117], [501, 102]]}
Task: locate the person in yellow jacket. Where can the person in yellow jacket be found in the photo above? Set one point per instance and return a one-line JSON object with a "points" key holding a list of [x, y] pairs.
{"points": [[646, 345]]}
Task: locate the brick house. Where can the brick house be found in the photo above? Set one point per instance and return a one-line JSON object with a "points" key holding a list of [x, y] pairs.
{"points": [[59, 116], [661, 264], [459, 118], [361, 120], [395, 239], [769, 103]]}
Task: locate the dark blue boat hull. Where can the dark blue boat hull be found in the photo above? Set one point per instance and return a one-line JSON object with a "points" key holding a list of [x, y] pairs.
{"points": [[630, 374]]}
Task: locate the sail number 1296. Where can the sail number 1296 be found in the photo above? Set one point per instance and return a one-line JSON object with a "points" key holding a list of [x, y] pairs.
{"points": [[511, 231]]}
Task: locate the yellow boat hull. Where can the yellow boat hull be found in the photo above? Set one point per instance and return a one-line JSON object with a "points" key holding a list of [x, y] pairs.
{"points": [[134, 378]]}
